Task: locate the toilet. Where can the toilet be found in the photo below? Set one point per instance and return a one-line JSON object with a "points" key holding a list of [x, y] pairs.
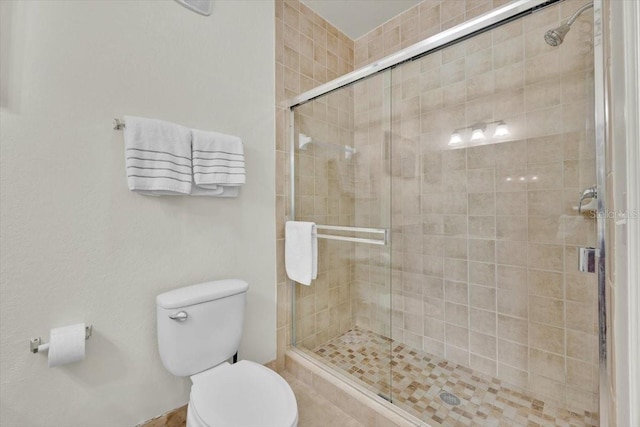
{"points": [[199, 330]]}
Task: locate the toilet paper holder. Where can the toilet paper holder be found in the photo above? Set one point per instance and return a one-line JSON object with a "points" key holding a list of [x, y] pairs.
{"points": [[36, 345]]}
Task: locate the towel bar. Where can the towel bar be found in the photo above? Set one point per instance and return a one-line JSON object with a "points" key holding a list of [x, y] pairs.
{"points": [[383, 242], [118, 124]]}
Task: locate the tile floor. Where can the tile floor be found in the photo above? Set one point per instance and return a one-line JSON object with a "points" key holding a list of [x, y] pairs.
{"points": [[419, 378]]}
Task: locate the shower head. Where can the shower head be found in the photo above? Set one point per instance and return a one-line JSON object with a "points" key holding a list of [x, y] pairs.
{"points": [[555, 36]]}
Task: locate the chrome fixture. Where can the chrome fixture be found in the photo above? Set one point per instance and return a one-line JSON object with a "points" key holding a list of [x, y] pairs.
{"points": [[203, 7], [589, 193], [383, 242], [36, 345], [305, 140], [118, 124], [554, 37], [180, 316], [587, 260], [503, 13]]}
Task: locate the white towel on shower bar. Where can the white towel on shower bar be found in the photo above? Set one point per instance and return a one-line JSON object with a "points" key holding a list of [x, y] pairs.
{"points": [[218, 160], [301, 251], [157, 156]]}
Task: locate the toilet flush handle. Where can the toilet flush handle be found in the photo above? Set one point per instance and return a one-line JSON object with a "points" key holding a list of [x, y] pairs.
{"points": [[180, 316]]}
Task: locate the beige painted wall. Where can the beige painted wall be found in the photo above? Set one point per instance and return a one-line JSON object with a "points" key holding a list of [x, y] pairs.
{"points": [[77, 245]]}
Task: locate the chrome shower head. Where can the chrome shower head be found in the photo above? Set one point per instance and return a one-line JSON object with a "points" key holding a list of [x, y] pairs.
{"points": [[556, 36]]}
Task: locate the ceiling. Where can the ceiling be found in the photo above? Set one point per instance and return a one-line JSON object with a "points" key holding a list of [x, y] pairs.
{"points": [[355, 18]]}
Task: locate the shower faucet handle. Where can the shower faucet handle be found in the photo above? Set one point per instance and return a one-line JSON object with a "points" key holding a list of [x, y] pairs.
{"points": [[589, 193]]}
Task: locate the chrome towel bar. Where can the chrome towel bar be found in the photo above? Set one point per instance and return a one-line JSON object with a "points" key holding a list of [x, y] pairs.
{"points": [[118, 124], [382, 242]]}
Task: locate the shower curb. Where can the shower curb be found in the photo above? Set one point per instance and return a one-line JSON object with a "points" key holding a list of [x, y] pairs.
{"points": [[363, 405]]}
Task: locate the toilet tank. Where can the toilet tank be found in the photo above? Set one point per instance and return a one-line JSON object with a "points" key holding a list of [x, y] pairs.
{"points": [[207, 327]]}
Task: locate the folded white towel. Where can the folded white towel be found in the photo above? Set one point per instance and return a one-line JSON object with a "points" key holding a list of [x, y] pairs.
{"points": [[218, 160], [220, 191], [301, 251], [158, 156]]}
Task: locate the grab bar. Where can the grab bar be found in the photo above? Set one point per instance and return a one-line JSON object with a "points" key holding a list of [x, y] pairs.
{"points": [[383, 242]]}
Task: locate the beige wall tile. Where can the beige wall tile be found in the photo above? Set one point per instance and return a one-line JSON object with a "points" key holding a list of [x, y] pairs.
{"points": [[546, 257], [548, 338], [513, 354], [483, 364], [512, 228], [456, 314], [482, 297], [457, 355], [480, 180], [508, 52], [482, 321], [481, 273], [482, 226], [512, 375], [482, 203], [545, 284], [482, 250], [581, 288], [512, 303], [581, 317], [513, 329], [457, 336], [548, 388], [456, 292], [511, 252], [511, 278], [434, 329], [546, 229], [483, 345], [546, 364]]}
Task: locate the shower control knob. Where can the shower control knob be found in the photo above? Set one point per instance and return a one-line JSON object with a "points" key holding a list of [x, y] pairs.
{"points": [[180, 316]]}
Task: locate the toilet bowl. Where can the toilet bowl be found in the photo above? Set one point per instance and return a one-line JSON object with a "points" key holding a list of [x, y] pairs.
{"points": [[245, 394], [199, 330]]}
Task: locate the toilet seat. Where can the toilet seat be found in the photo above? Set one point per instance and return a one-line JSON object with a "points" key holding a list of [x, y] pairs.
{"points": [[244, 394]]}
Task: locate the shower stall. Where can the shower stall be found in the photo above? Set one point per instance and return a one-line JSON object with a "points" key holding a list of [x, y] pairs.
{"points": [[445, 181]]}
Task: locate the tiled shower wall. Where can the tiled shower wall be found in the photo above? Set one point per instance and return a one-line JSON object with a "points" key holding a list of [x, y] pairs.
{"points": [[485, 238], [324, 195], [309, 52]]}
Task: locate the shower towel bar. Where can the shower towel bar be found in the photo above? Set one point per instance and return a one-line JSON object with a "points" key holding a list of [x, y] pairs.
{"points": [[382, 242]]}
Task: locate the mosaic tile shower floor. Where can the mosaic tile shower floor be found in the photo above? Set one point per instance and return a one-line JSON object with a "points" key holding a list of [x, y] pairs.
{"points": [[419, 378]]}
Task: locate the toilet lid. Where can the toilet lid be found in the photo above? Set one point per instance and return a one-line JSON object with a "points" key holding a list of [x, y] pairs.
{"points": [[243, 394]]}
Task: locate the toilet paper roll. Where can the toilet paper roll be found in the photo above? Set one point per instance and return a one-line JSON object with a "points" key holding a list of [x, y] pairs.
{"points": [[66, 344]]}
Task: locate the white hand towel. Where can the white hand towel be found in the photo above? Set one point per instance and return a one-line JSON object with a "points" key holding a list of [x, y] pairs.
{"points": [[218, 160], [158, 156], [220, 191], [301, 251]]}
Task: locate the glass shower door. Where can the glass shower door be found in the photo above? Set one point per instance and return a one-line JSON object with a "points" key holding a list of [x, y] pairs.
{"points": [[342, 183], [493, 143]]}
